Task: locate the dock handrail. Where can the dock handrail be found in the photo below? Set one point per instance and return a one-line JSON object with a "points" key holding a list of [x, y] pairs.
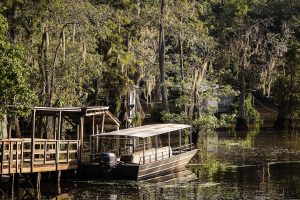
{"points": [[27, 155]]}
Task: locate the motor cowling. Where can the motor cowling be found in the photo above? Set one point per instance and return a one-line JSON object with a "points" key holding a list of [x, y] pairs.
{"points": [[107, 162]]}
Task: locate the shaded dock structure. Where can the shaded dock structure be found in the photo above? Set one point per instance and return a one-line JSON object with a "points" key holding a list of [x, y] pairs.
{"points": [[59, 139]]}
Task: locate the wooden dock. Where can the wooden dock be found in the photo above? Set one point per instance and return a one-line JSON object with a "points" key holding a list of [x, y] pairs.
{"points": [[38, 155]]}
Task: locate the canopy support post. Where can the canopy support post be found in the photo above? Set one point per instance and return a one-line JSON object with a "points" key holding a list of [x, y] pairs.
{"points": [[180, 141], [156, 147], [169, 143], [191, 137], [143, 150]]}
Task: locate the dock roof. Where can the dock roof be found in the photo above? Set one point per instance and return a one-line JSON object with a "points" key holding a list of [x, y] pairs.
{"points": [[147, 130]]}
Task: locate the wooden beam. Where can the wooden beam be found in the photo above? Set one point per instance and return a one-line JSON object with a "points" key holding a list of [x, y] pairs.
{"points": [[22, 157], [93, 125], [156, 141], [180, 141], [33, 123], [59, 126], [102, 125], [81, 138], [10, 156], [54, 127], [94, 113], [169, 143], [143, 150], [2, 156], [113, 118], [38, 184]]}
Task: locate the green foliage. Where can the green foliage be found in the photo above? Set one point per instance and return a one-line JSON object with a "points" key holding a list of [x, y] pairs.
{"points": [[14, 75], [175, 118], [64, 47], [287, 86], [252, 115]]}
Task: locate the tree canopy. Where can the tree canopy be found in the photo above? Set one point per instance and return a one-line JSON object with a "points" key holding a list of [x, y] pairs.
{"points": [[180, 54]]}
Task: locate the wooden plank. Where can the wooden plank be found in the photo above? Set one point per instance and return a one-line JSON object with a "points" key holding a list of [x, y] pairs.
{"points": [[59, 126], [57, 154], [54, 126], [2, 156], [113, 118], [17, 155], [33, 123], [32, 154], [81, 138], [91, 148], [10, 156], [180, 141], [93, 125], [22, 157], [102, 125], [45, 153]]}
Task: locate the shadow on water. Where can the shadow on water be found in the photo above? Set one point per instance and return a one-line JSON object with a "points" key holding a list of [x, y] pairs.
{"points": [[259, 164]]}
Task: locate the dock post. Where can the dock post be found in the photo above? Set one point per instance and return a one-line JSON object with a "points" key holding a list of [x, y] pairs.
{"points": [[38, 185], [58, 182], [12, 185]]}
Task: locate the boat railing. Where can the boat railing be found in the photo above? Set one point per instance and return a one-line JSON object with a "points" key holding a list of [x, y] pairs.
{"points": [[166, 154], [182, 149], [154, 157]]}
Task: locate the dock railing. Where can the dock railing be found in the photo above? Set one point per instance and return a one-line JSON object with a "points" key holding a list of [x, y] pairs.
{"points": [[37, 155]]}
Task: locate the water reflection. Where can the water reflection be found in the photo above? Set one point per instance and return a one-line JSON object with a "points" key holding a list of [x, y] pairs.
{"points": [[260, 164]]}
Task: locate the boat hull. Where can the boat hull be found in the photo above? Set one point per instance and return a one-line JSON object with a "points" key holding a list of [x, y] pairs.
{"points": [[170, 165]]}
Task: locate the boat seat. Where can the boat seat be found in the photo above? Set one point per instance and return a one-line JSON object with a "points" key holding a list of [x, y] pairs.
{"points": [[126, 158]]}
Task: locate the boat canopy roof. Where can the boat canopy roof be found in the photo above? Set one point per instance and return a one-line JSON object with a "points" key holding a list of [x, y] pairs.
{"points": [[146, 131]]}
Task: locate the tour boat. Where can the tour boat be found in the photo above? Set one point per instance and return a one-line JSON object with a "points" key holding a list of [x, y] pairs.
{"points": [[143, 152]]}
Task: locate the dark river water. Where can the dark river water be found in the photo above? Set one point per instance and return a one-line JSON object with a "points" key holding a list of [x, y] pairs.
{"points": [[259, 164]]}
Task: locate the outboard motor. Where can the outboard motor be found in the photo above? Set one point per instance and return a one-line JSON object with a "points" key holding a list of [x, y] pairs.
{"points": [[108, 161]]}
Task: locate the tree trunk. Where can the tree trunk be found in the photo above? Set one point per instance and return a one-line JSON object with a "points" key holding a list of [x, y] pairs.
{"points": [[241, 124], [17, 127], [4, 127], [181, 56], [281, 121], [13, 16], [162, 60]]}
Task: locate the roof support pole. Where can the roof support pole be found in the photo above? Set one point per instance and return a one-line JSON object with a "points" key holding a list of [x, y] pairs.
{"points": [[156, 147], [81, 138], [59, 126], [179, 141], [133, 142], [143, 150], [169, 143], [97, 138], [191, 137], [102, 126], [93, 124], [92, 139], [33, 123], [32, 139], [54, 127]]}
